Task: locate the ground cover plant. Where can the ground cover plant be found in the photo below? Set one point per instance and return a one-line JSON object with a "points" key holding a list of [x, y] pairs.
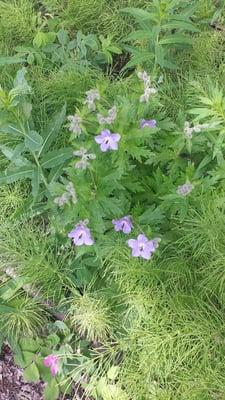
{"points": [[112, 216]]}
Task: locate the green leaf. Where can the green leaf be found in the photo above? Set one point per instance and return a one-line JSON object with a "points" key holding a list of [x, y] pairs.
{"points": [[33, 141], [56, 157], [138, 59], [43, 38], [4, 60], [176, 39], [52, 130], [31, 373], [16, 174], [28, 357], [29, 344], [14, 156], [113, 372], [188, 26], [140, 34], [35, 182], [63, 37], [139, 14], [51, 391], [7, 309]]}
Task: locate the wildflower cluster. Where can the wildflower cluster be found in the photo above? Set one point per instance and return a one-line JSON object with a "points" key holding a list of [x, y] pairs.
{"points": [[109, 141]]}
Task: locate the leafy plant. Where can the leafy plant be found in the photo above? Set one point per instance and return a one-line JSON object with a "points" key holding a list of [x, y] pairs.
{"points": [[163, 29], [31, 158]]}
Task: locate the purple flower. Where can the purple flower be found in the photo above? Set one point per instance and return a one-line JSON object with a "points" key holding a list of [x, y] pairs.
{"points": [[51, 362], [148, 123], [142, 247], [81, 235], [108, 140], [123, 224], [185, 189]]}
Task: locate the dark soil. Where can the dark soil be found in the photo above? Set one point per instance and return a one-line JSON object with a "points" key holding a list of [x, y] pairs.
{"points": [[14, 387], [12, 384]]}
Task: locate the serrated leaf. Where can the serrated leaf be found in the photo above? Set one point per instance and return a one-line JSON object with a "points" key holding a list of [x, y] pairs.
{"points": [[31, 373], [10, 176], [56, 157], [52, 130], [51, 391], [152, 216], [33, 141]]}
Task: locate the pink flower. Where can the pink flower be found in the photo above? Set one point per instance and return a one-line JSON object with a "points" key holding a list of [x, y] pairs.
{"points": [[51, 362]]}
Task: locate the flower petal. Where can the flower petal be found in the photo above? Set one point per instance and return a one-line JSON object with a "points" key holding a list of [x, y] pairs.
{"points": [[98, 139], [105, 146], [142, 238]]}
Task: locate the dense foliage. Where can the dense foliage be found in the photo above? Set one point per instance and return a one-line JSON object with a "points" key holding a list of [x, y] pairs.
{"points": [[112, 182]]}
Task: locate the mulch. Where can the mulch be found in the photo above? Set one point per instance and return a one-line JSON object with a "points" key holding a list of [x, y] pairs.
{"points": [[12, 384], [14, 387]]}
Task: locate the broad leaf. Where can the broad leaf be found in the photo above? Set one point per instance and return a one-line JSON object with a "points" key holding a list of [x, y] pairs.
{"points": [[56, 157], [14, 156], [33, 141], [31, 373], [52, 130], [141, 34], [188, 26], [51, 391], [176, 39], [7, 60], [139, 14], [10, 176]]}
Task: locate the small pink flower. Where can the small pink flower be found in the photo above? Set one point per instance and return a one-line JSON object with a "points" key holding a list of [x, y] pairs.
{"points": [[51, 362]]}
